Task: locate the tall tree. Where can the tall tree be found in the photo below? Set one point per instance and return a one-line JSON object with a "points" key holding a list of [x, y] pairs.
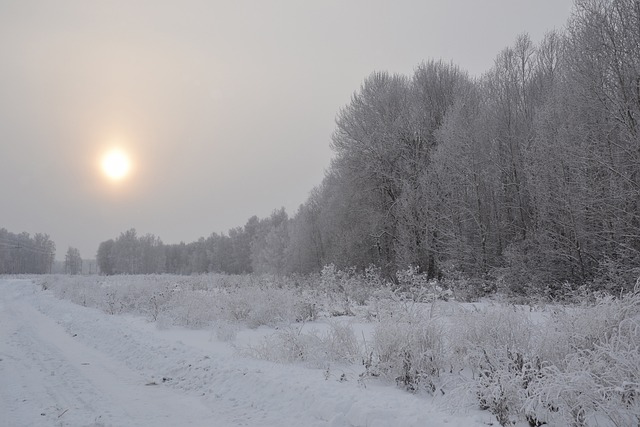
{"points": [[105, 257], [153, 256], [270, 242], [73, 261]]}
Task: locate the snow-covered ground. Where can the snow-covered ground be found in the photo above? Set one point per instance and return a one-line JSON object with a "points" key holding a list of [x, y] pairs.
{"points": [[66, 365]]}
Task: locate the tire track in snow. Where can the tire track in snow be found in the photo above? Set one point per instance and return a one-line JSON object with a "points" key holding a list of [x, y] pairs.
{"points": [[47, 378], [125, 352]]}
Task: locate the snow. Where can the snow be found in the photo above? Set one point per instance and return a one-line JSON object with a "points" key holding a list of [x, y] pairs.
{"points": [[66, 365]]}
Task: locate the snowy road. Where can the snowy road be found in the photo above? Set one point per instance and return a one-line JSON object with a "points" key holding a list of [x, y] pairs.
{"points": [[62, 364], [49, 378]]}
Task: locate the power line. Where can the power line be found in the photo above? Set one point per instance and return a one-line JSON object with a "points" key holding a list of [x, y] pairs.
{"points": [[16, 245]]}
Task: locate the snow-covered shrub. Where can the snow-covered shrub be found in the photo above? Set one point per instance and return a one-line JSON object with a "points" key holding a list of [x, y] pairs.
{"points": [[307, 306], [333, 283], [497, 345], [156, 302], [588, 325], [597, 382], [383, 303], [76, 292], [110, 300], [490, 328], [286, 345], [587, 392], [42, 282], [579, 367], [290, 344], [359, 287], [198, 282], [344, 289], [358, 290], [410, 350], [340, 343], [116, 298], [256, 306], [273, 306], [416, 286], [225, 331], [504, 384], [618, 275], [193, 309], [134, 296], [235, 304], [465, 288], [193, 301], [411, 283]]}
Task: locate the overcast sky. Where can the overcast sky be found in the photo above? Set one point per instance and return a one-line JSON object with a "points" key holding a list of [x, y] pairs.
{"points": [[225, 107]]}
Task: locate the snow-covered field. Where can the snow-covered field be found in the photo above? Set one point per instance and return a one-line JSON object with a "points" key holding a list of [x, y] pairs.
{"points": [[62, 364], [335, 349]]}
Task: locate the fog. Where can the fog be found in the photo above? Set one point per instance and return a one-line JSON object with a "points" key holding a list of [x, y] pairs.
{"points": [[226, 108]]}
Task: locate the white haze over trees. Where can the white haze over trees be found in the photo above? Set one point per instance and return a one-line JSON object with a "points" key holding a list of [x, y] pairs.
{"points": [[528, 174], [443, 189], [225, 109], [21, 253], [73, 261]]}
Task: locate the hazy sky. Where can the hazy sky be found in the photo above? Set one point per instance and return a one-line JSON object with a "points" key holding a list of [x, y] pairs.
{"points": [[225, 107]]}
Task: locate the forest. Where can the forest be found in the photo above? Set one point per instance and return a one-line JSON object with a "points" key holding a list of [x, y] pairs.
{"points": [[22, 253], [528, 174]]}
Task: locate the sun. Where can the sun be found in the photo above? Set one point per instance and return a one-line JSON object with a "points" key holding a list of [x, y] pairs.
{"points": [[116, 164]]}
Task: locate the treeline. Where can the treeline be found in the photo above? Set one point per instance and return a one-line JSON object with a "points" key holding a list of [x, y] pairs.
{"points": [[23, 254], [256, 247], [529, 174]]}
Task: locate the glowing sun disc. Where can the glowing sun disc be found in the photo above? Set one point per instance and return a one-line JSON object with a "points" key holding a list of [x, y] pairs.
{"points": [[116, 164]]}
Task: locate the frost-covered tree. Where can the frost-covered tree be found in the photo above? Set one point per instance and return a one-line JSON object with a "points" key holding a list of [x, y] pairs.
{"points": [[269, 244], [21, 253], [105, 257], [529, 174], [153, 254], [128, 253], [73, 261]]}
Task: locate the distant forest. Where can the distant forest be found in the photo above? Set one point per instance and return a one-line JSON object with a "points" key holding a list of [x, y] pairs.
{"points": [[528, 174], [21, 253]]}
